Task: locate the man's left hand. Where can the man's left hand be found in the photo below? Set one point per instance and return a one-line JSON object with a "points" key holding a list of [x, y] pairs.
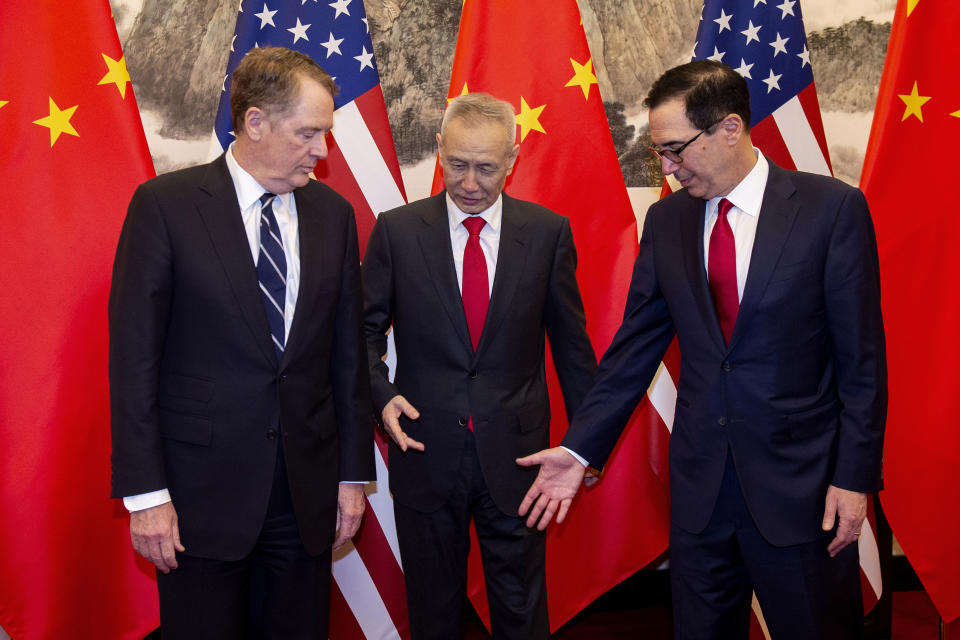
{"points": [[350, 506], [850, 508]]}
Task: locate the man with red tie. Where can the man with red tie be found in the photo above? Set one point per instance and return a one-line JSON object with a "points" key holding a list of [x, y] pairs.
{"points": [[471, 280], [769, 279]]}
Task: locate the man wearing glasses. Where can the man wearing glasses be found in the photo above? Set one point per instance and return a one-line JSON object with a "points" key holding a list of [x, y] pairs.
{"points": [[769, 279]]}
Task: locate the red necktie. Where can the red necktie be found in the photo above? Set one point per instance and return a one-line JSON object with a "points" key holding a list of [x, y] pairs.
{"points": [[722, 271], [475, 288]]}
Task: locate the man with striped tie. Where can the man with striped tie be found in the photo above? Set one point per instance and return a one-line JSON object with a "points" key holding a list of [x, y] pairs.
{"points": [[240, 397]]}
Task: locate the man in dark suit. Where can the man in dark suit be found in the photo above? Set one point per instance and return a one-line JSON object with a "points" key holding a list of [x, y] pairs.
{"points": [[470, 280], [769, 279], [239, 389]]}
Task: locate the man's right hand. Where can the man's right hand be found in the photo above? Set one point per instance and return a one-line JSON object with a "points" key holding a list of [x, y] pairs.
{"points": [[398, 406], [556, 484], [156, 536]]}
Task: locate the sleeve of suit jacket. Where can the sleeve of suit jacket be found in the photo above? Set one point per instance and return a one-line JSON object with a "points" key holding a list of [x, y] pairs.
{"points": [[378, 310], [565, 323], [348, 370], [852, 294], [627, 367], [139, 309]]}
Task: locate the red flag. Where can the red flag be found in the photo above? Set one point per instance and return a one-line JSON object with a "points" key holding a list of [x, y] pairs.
{"points": [[534, 54], [909, 164], [73, 153]]}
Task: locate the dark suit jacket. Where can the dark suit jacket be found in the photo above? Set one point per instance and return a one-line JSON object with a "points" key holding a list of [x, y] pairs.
{"points": [[197, 394], [799, 395], [410, 282]]}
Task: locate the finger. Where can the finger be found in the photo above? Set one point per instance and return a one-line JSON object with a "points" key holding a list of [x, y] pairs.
{"points": [[529, 461], [536, 510], [829, 515], [413, 444], [528, 499], [547, 515], [564, 507], [176, 539], [837, 545], [410, 411]]}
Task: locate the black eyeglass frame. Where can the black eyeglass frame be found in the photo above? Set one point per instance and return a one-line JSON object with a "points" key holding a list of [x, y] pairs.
{"points": [[673, 155]]}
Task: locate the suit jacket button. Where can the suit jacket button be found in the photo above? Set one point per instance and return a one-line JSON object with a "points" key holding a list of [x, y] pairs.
{"points": [[473, 374], [271, 434], [463, 422], [722, 421], [727, 366], [283, 378]]}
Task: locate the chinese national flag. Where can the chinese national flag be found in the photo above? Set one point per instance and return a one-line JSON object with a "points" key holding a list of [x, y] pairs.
{"points": [[73, 152], [534, 55], [909, 167]]}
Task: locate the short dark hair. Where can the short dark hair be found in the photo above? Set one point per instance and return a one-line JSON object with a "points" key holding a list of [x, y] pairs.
{"points": [[710, 91], [269, 78]]}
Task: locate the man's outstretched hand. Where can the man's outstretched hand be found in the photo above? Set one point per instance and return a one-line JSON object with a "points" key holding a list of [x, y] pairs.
{"points": [[553, 490]]}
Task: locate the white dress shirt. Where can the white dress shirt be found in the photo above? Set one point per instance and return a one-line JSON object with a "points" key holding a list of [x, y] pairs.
{"points": [[285, 209], [746, 198], [489, 236]]}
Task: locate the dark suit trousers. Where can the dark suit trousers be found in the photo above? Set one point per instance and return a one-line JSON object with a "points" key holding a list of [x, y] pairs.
{"points": [[277, 592], [434, 548], [803, 593]]}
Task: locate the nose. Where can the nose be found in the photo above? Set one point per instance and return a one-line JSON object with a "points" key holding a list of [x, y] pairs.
{"points": [[319, 147], [668, 166], [470, 181]]}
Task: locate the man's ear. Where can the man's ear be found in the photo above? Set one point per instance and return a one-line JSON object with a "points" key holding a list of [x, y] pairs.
{"points": [[512, 158], [254, 121], [732, 128]]}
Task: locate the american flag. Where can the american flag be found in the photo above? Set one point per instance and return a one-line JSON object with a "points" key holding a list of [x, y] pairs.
{"points": [[367, 599], [767, 45]]}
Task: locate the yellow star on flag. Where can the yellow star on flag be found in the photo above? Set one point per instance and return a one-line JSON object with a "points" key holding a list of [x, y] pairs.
{"points": [[463, 92], [529, 119], [116, 73], [583, 76], [3, 103], [955, 114], [911, 5], [914, 101], [58, 121]]}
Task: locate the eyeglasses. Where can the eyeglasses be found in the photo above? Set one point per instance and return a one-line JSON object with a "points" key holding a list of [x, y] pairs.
{"points": [[673, 155]]}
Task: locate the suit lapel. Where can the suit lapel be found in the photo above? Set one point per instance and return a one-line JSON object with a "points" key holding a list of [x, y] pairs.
{"points": [[221, 216], [434, 239], [310, 236], [511, 259], [691, 222], [777, 215]]}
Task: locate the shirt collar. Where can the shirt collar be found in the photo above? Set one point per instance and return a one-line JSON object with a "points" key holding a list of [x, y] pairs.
{"points": [[247, 188], [493, 215], [747, 196]]}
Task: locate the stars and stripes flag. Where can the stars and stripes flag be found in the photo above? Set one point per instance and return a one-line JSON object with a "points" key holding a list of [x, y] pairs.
{"points": [[367, 595], [909, 165], [765, 42], [73, 153]]}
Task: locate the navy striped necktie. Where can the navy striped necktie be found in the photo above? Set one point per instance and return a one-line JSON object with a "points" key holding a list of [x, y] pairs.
{"points": [[272, 272]]}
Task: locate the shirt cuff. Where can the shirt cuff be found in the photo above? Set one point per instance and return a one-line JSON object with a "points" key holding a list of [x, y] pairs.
{"points": [[355, 481], [579, 458], [143, 501]]}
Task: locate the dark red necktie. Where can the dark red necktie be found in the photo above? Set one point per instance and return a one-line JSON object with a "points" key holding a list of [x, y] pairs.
{"points": [[722, 271], [475, 288]]}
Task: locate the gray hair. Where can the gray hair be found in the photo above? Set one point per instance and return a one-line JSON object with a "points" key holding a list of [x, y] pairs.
{"points": [[481, 108]]}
